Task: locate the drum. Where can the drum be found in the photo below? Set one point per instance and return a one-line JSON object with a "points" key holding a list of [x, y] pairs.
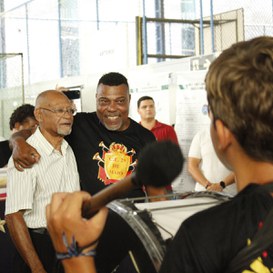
{"points": [[156, 223]]}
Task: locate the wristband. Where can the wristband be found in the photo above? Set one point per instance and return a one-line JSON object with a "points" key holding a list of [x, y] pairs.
{"points": [[207, 186], [74, 250]]}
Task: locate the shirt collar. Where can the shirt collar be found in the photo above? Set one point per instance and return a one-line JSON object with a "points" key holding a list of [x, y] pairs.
{"points": [[47, 147]]}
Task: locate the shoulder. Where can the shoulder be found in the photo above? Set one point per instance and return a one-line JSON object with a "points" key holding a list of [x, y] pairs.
{"points": [[140, 129], [35, 137], [84, 122], [202, 136], [85, 116], [158, 123], [229, 225], [200, 133], [250, 203]]}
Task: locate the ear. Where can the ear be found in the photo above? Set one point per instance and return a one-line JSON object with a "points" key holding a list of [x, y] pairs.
{"points": [[224, 135], [17, 126], [129, 97], [38, 115]]}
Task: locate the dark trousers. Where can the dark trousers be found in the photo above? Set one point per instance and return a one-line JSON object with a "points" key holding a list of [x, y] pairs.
{"points": [[7, 248], [44, 248]]}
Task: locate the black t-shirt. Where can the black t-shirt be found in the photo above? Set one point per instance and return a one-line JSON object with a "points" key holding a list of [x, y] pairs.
{"points": [[5, 153], [207, 241], [104, 157]]}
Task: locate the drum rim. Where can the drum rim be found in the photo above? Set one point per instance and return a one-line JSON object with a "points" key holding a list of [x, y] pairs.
{"points": [[151, 243]]}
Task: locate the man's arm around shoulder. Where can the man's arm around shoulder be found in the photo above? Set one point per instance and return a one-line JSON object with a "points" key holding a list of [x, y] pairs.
{"points": [[23, 154]]}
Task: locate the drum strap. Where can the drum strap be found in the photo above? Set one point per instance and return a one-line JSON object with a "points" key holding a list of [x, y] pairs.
{"points": [[261, 241]]}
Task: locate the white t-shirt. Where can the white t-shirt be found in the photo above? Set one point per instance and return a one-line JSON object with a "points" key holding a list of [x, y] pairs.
{"points": [[211, 167]]}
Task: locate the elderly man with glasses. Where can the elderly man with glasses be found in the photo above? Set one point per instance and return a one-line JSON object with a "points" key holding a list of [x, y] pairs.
{"points": [[29, 192]]}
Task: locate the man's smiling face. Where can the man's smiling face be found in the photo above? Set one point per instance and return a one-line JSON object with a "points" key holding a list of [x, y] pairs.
{"points": [[113, 106]]}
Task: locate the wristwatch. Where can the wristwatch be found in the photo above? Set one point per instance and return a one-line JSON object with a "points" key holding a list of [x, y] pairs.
{"points": [[222, 184]]}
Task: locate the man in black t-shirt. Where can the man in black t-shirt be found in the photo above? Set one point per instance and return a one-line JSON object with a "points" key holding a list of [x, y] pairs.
{"points": [[103, 156], [239, 86]]}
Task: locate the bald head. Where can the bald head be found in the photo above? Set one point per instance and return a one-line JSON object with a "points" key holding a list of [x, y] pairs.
{"points": [[49, 97], [54, 112]]}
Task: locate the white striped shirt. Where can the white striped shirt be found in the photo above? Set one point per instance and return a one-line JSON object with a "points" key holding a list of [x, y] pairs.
{"points": [[31, 189]]}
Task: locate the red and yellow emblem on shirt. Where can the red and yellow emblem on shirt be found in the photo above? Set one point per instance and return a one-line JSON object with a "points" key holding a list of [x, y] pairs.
{"points": [[116, 162], [257, 265]]}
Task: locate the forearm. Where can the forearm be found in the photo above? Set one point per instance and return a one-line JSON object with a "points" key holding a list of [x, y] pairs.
{"points": [[21, 238], [200, 178], [79, 264], [197, 174]]}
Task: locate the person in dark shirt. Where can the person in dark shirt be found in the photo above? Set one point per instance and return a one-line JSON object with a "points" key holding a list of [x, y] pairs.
{"points": [[239, 88], [21, 118]]}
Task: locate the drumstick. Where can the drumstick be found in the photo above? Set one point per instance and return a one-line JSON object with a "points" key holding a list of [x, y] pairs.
{"points": [[159, 163]]}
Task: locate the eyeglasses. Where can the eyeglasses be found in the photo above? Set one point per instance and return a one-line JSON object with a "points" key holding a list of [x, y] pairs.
{"points": [[60, 112]]}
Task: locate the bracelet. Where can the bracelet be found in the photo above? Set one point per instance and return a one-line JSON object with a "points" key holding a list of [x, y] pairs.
{"points": [[74, 250], [207, 186]]}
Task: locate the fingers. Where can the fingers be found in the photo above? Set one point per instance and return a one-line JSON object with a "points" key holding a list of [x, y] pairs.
{"points": [[66, 206], [98, 220], [215, 187], [18, 166], [35, 156], [26, 161], [72, 204], [64, 216], [24, 155]]}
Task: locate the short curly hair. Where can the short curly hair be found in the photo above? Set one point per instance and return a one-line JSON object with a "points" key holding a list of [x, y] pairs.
{"points": [[113, 79], [20, 114], [239, 86]]}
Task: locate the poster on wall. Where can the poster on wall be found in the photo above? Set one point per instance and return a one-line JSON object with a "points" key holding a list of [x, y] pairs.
{"points": [[191, 116]]}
